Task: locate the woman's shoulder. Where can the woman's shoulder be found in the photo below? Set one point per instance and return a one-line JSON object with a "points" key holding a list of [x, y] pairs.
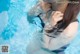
{"points": [[73, 25], [71, 29]]}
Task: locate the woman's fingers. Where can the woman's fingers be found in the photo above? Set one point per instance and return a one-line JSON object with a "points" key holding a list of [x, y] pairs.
{"points": [[57, 14], [60, 18], [55, 17]]}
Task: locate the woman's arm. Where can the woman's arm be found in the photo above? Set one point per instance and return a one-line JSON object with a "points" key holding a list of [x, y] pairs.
{"points": [[65, 38]]}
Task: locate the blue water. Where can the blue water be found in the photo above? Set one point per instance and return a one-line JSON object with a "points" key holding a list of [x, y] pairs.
{"points": [[17, 28]]}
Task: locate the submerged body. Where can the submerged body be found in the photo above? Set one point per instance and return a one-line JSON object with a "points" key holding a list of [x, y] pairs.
{"points": [[47, 42]]}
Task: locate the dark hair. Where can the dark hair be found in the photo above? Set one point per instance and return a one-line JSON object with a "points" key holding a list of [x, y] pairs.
{"points": [[70, 14]]}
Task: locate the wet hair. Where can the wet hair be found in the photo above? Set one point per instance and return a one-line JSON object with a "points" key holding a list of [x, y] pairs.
{"points": [[71, 12]]}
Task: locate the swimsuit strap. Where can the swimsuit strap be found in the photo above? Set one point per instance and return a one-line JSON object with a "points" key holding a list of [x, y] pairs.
{"points": [[76, 20]]}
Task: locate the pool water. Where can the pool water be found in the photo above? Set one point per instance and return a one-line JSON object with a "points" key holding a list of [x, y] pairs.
{"points": [[16, 30]]}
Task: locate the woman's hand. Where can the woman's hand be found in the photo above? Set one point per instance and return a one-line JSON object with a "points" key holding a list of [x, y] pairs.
{"points": [[56, 16]]}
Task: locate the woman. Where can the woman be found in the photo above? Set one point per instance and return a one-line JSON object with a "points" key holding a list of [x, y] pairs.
{"points": [[60, 30], [61, 26]]}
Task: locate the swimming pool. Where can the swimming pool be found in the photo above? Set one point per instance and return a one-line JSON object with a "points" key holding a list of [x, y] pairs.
{"points": [[16, 30]]}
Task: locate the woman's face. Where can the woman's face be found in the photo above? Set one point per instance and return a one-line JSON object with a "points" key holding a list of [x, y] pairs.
{"points": [[55, 3], [51, 1]]}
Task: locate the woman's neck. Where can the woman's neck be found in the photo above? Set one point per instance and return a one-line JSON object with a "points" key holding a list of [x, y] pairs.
{"points": [[63, 7]]}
